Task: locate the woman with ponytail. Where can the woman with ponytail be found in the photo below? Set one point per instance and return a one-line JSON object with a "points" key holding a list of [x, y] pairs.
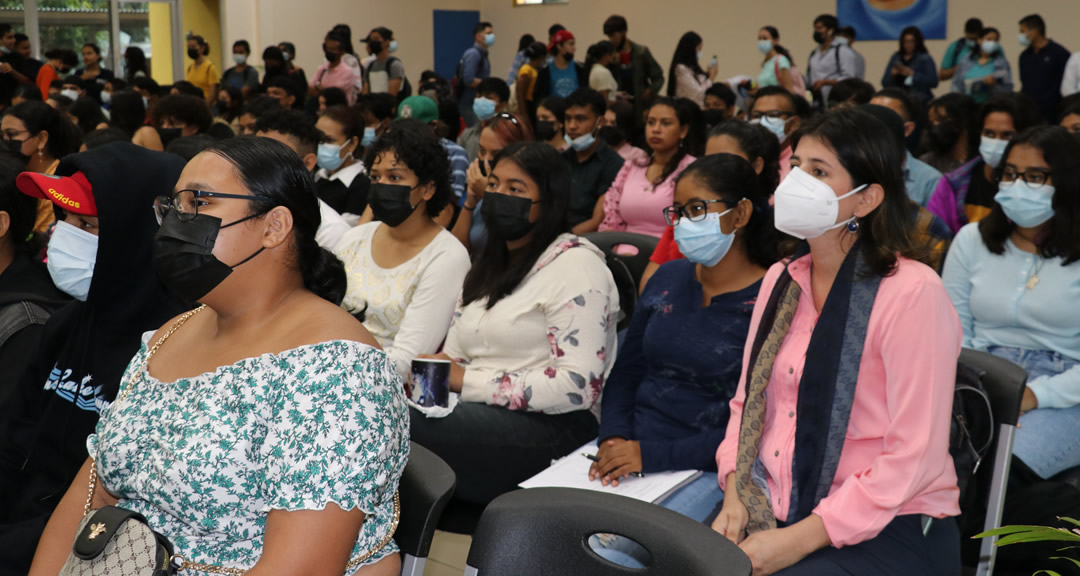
{"points": [[40, 136], [285, 424]]}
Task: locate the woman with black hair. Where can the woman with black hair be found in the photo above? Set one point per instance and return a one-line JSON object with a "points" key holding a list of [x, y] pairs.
{"points": [[966, 194], [93, 75], [666, 403], [986, 72], [128, 113], [267, 381], [1069, 114], [550, 118], [597, 61], [836, 456], [135, 64], [777, 69], [751, 142], [533, 337], [1008, 277], [24, 92], [39, 136], [952, 135], [617, 130], [404, 269], [686, 79], [88, 114], [912, 68], [636, 200], [229, 106]]}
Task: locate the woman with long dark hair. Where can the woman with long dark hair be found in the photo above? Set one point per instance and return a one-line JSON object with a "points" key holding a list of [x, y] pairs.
{"points": [[135, 64], [836, 449], [267, 380], [597, 62], [1008, 276], [986, 72], [39, 136], [642, 190], [532, 339], [776, 70], [686, 78], [912, 68], [952, 132]]}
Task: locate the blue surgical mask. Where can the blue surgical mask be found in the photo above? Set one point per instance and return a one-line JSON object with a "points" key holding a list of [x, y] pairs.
{"points": [[1024, 40], [989, 47], [774, 125], [581, 143], [369, 137], [991, 150], [489, 39], [393, 46], [1026, 206], [72, 254], [329, 157], [704, 242], [286, 56], [764, 46], [484, 108]]}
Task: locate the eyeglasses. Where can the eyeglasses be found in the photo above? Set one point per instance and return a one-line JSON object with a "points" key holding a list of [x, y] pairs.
{"points": [[1035, 177], [695, 211], [771, 114], [186, 202]]}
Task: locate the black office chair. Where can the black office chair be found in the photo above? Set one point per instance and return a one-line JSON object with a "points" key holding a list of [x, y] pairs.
{"points": [[626, 269], [426, 487], [1004, 383], [543, 531]]}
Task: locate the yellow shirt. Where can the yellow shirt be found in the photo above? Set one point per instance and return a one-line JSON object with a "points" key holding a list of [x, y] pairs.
{"points": [[204, 76], [528, 71]]}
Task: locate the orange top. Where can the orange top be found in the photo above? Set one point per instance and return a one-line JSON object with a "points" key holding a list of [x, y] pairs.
{"points": [[45, 77]]}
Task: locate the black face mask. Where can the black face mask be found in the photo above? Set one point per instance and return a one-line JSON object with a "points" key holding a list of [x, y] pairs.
{"points": [[331, 56], [272, 71], [506, 216], [612, 135], [184, 255], [15, 147], [714, 117], [390, 203], [819, 38], [545, 131], [169, 134], [193, 53], [375, 46], [943, 136]]}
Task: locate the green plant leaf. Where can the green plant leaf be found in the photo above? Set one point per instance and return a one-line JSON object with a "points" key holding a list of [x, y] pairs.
{"points": [[1008, 530], [1047, 572], [1069, 520], [1073, 560]]}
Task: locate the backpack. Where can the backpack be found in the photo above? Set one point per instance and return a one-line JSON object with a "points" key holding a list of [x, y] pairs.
{"points": [[458, 82], [971, 435], [798, 83], [406, 88], [19, 315]]}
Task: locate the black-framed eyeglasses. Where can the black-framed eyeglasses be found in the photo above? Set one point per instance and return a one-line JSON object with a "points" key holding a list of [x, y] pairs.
{"points": [[186, 202], [1035, 177], [695, 211], [771, 114]]}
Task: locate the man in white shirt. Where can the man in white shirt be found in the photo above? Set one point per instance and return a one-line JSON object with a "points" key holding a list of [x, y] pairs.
{"points": [[830, 62], [1070, 84]]}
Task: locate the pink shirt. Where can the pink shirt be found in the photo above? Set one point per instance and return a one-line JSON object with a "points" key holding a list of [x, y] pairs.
{"points": [[895, 458], [340, 76], [633, 204]]}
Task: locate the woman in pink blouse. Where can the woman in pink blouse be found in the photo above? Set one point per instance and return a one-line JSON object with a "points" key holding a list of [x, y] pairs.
{"points": [[836, 456], [636, 200]]}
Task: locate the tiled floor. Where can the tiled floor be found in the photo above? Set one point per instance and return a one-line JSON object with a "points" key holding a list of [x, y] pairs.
{"points": [[448, 554]]}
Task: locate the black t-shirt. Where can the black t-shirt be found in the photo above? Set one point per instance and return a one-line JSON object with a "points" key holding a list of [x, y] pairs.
{"points": [[94, 86], [980, 195], [8, 81]]}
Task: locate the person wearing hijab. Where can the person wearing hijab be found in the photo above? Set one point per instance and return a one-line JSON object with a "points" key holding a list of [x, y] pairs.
{"points": [[100, 255]]}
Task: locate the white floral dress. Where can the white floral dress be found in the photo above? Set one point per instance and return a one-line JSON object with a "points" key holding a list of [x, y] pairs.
{"points": [[206, 458]]}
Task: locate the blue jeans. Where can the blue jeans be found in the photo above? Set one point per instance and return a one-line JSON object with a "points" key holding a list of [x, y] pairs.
{"points": [[696, 500], [1048, 439]]}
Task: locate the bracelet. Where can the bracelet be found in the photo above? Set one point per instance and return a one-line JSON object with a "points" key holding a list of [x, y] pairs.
{"points": [[466, 208]]}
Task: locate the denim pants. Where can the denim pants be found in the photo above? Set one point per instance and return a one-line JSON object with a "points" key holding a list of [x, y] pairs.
{"points": [[1048, 439]]}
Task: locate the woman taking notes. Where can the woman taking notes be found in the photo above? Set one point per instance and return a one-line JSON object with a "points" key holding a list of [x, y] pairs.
{"points": [[831, 465]]}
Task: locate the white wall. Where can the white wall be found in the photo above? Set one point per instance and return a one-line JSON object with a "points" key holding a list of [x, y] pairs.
{"points": [[729, 27], [306, 22]]}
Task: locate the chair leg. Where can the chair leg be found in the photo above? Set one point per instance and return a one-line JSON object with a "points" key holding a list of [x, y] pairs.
{"points": [[412, 566], [996, 502]]}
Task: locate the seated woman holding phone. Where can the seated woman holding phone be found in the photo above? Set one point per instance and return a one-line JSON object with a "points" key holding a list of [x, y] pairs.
{"points": [[533, 337], [666, 402]]}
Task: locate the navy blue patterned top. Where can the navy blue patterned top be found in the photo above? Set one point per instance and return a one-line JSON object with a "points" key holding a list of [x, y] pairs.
{"points": [[677, 370]]}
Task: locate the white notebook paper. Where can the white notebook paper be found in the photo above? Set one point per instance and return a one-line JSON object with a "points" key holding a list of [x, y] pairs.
{"points": [[572, 471]]}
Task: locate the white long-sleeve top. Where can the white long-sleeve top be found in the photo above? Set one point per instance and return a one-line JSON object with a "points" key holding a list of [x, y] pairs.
{"points": [[408, 307], [548, 346], [1070, 84], [690, 85]]}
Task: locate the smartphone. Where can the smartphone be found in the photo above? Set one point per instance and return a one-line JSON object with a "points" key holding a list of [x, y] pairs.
{"points": [[715, 62]]}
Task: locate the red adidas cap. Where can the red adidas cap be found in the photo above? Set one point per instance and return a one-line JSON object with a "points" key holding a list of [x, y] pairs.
{"points": [[560, 37], [71, 193]]}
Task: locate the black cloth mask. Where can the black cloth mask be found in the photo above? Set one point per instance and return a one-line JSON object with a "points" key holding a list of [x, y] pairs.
{"points": [[943, 136], [390, 203], [331, 56], [184, 255], [193, 53], [506, 216], [375, 46], [819, 38], [14, 147], [545, 131], [612, 135]]}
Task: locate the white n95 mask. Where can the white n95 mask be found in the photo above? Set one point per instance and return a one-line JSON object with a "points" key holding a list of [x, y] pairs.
{"points": [[807, 207], [72, 255]]}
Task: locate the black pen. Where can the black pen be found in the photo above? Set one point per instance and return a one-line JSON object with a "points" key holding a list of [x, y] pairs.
{"points": [[595, 458]]}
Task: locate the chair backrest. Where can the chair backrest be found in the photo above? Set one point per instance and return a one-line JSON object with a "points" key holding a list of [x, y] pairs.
{"points": [[626, 269], [425, 488], [1004, 383], [544, 531]]}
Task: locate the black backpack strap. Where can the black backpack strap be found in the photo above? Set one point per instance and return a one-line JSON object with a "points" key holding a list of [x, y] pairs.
{"points": [[15, 317]]}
